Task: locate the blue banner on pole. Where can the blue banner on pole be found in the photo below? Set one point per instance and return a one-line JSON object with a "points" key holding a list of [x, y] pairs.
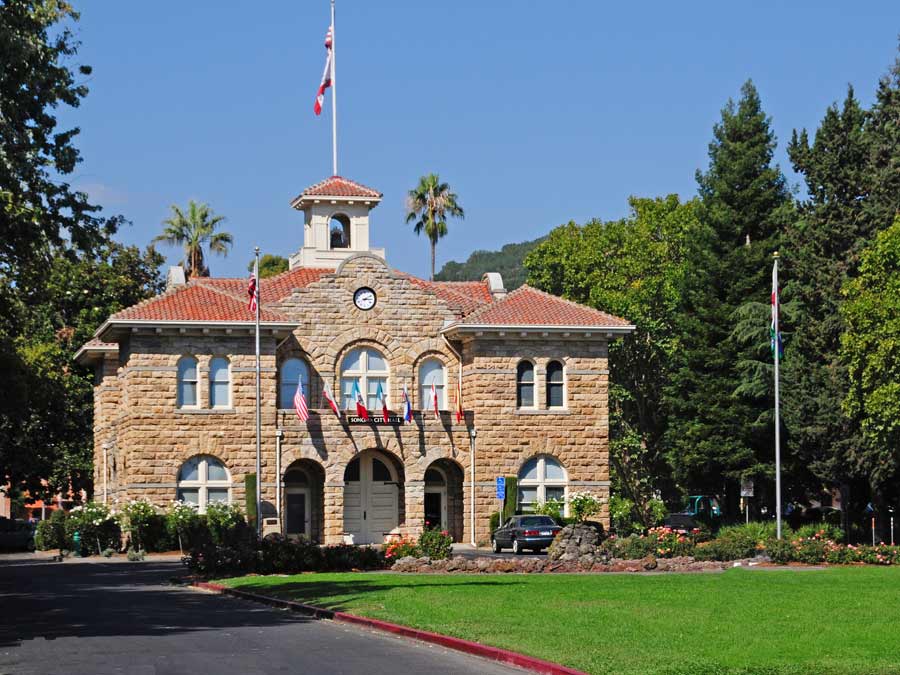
{"points": [[501, 487]]}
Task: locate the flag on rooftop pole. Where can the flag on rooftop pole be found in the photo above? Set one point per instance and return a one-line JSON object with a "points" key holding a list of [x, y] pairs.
{"points": [[329, 399], [300, 406], [326, 74], [777, 352], [253, 289], [407, 407]]}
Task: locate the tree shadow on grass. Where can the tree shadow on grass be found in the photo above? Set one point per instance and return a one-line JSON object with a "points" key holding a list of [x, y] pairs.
{"points": [[340, 596]]}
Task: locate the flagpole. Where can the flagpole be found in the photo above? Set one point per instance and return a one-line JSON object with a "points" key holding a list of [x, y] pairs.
{"points": [[777, 311], [333, 100], [258, 412]]}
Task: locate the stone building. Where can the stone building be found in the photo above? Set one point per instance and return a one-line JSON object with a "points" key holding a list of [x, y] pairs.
{"points": [[174, 404]]}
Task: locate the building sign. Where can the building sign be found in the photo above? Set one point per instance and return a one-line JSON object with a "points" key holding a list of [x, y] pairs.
{"points": [[746, 488], [501, 487], [376, 419]]}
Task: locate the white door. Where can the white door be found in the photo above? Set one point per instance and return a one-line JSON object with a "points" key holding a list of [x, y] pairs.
{"points": [[371, 498]]}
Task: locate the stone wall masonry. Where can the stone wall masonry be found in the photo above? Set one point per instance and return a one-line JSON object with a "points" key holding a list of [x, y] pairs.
{"points": [[135, 402]]}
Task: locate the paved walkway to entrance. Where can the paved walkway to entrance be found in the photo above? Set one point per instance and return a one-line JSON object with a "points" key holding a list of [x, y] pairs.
{"points": [[117, 617]]}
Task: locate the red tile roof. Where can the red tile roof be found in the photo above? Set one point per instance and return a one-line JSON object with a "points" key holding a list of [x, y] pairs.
{"points": [[462, 297], [212, 299], [336, 186], [527, 306]]}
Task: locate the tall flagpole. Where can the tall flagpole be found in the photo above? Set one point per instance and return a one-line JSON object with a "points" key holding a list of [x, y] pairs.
{"points": [[333, 100], [258, 413], [776, 311]]}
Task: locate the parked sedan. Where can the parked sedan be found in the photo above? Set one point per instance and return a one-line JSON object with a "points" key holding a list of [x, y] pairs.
{"points": [[523, 532], [16, 535]]}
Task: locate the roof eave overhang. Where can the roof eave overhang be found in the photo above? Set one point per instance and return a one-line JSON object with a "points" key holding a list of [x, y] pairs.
{"points": [[87, 354], [112, 324], [477, 330], [303, 200]]}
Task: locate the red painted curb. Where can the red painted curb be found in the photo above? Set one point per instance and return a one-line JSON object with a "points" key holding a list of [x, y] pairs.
{"points": [[458, 644]]}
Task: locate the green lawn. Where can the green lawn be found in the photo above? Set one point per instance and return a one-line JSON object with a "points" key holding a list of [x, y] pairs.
{"points": [[844, 620]]}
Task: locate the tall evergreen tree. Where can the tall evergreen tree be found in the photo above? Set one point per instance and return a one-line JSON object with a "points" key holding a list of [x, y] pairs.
{"points": [[822, 250], [721, 424], [884, 156]]}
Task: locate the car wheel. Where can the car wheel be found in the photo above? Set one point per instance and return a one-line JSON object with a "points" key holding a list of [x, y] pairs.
{"points": [[516, 548], [495, 546]]}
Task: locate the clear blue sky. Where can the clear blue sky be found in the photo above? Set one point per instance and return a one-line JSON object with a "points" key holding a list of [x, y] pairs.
{"points": [[535, 113]]}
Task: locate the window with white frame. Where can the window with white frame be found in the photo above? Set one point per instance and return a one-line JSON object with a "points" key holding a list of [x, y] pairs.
{"points": [[525, 384], [292, 371], [219, 383], [367, 368], [555, 385], [432, 372], [203, 480], [541, 479], [187, 382]]}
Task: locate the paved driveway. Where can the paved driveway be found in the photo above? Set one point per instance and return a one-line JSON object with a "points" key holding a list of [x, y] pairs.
{"points": [[109, 617]]}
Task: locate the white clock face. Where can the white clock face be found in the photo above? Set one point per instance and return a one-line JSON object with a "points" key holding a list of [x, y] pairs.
{"points": [[364, 298]]}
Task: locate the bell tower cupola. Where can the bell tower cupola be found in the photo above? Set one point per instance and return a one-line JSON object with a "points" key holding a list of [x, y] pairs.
{"points": [[335, 222]]}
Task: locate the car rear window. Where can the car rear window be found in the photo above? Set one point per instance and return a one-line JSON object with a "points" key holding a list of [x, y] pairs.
{"points": [[537, 521]]}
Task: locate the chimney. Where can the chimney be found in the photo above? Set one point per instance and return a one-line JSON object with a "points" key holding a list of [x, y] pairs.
{"points": [[495, 285], [175, 277]]}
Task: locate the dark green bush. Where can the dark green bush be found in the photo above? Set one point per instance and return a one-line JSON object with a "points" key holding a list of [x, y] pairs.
{"points": [[51, 533], [494, 522], [435, 544], [631, 547], [155, 535], [780, 551]]}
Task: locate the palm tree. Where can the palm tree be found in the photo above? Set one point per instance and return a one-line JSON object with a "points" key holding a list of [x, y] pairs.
{"points": [[193, 230], [429, 205]]}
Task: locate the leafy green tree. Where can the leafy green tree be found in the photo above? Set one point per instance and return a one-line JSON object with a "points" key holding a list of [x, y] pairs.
{"points": [[635, 268], [38, 208], [721, 421], [822, 252], [883, 130], [870, 348], [508, 262], [193, 229], [428, 206], [46, 429], [270, 265]]}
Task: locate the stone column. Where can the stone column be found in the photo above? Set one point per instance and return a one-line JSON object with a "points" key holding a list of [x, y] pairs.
{"points": [[334, 511], [415, 507]]}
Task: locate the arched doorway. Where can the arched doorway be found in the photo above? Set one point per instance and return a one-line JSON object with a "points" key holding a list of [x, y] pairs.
{"points": [[372, 485], [304, 482], [444, 497]]}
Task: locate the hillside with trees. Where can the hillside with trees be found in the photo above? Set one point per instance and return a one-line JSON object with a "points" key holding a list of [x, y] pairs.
{"points": [[508, 261]]}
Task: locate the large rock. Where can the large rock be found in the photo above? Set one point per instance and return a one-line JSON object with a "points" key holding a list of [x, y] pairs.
{"points": [[579, 542]]}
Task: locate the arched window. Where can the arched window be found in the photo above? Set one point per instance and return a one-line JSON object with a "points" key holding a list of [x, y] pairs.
{"points": [[431, 372], [203, 480], [368, 369], [525, 385], [555, 385], [541, 479], [291, 373], [339, 231], [187, 382], [219, 383]]}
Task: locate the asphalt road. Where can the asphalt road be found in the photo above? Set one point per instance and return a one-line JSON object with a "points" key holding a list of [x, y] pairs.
{"points": [[124, 618]]}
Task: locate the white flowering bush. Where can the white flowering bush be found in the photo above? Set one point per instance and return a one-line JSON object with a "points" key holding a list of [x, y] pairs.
{"points": [[181, 522], [137, 518], [583, 505], [97, 528], [223, 520]]}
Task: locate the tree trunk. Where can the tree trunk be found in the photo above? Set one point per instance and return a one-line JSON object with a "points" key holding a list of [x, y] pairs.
{"points": [[432, 259]]}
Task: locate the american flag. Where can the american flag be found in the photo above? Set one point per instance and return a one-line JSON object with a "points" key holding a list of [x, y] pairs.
{"points": [[253, 293], [300, 403]]}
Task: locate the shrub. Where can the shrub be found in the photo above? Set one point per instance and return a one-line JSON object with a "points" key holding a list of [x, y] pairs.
{"points": [[669, 543], [108, 553], [136, 554], [280, 555], [401, 548], [820, 531], [810, 551], [181, 521], [51, 533], [552, 507], [779, 550], [631, 547], [226, 523], [737, 541], [136, 517], [96, 526], [583, 505], [435, 544], [494, 521]]}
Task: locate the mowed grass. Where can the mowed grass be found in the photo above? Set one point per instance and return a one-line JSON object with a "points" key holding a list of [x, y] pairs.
{"points": [[840, 620]]}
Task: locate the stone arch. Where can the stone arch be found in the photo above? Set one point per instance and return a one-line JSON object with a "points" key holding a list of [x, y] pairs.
{"points": [[444, 503], [362, 256], [303, 499], [369, 494], [339, 231]]}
